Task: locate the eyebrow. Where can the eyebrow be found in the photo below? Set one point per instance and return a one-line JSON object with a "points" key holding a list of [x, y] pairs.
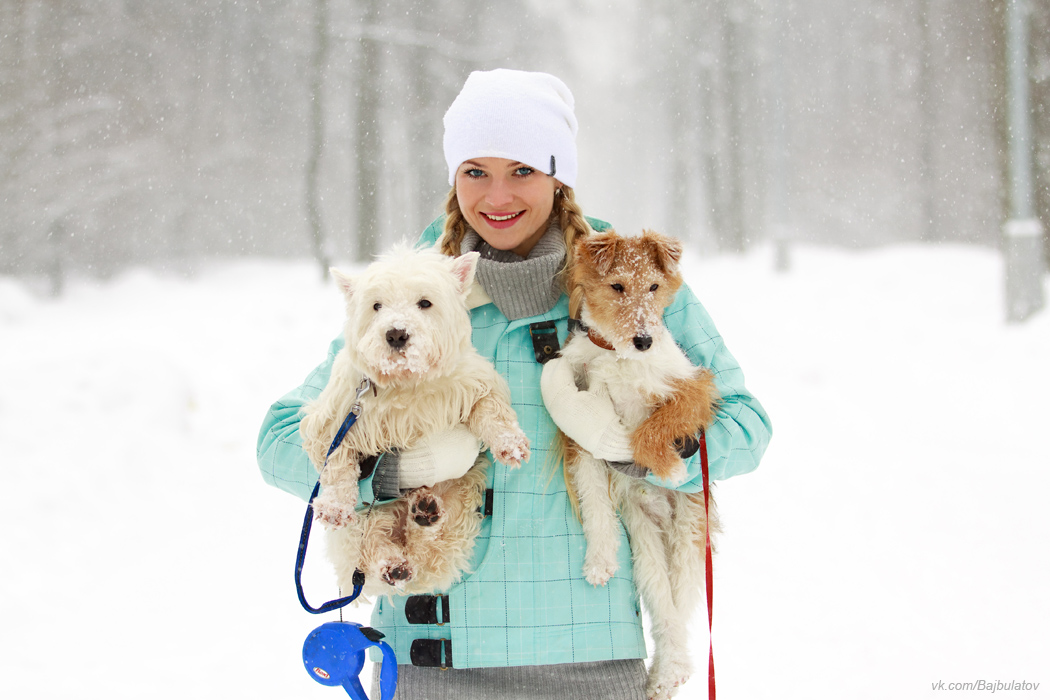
{"points": [[515, 164]]}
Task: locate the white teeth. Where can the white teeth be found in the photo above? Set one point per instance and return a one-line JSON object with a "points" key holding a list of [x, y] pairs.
{"points": [[501, 218]]}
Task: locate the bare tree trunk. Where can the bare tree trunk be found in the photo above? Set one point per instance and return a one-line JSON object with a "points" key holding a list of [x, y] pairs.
{"points": [[779, 217], [1040, 38], [57, 263], [367, 134], [732, 175], [426, 132], [317, 136], [928, 111], [677, 84]]}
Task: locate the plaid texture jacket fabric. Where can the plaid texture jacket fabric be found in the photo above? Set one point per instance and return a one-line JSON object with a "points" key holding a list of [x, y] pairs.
{"points": [[526, 601]]}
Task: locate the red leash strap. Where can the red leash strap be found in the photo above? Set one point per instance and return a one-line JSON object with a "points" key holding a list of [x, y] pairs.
{"points": [[707, 569]]}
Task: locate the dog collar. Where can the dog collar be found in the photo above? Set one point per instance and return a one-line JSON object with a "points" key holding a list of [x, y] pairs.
{"points": [[576, 324], [598, 340]]}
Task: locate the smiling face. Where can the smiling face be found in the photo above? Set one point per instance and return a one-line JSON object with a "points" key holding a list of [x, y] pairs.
{"points": [[508, 203]]}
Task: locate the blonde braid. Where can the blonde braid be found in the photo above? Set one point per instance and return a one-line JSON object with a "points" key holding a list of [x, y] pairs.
{"points": [[574, 226], [451, 238]]}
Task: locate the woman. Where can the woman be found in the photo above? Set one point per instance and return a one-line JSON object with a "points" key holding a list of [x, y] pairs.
{"points": [[524, 623]]}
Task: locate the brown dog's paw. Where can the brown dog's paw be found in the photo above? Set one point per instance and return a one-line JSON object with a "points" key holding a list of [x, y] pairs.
{"points": [[656, 453]]}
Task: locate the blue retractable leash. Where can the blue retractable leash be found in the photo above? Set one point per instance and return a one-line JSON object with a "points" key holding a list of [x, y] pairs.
{"points": [[334, 653]]}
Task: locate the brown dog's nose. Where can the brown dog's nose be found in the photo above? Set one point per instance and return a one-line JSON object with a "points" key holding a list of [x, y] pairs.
{"points": [[643, 342], [396, 338]]}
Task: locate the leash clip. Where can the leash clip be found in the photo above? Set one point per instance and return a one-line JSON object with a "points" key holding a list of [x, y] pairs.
{"points": [[362, 389]]}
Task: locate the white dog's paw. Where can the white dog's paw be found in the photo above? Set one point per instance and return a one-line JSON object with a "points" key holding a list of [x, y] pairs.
{"points": [[667, 677], [396, 573], [332, 512], [599, 575], [599, 568], [512, 448]]}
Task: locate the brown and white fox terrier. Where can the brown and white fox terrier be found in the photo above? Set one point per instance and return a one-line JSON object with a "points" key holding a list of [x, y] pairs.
{"points": [[408, 339], [621, 286]]}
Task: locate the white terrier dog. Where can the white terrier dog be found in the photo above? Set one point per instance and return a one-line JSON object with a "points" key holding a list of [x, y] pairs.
{"points": [[622, 286], [408, 342]]}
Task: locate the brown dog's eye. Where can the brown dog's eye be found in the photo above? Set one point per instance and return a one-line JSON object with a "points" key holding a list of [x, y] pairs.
{"points": [[618, 288], [654, 288], [424, 304]]}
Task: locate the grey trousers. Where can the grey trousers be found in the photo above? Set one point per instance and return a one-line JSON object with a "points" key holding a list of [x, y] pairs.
{"points": [[598, 680]]}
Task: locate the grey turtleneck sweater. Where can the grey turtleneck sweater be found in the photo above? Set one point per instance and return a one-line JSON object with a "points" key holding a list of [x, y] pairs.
{"points": [[520, 287]]}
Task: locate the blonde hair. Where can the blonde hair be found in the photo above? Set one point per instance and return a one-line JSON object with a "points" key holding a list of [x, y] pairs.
{"points": [[565, 211]]}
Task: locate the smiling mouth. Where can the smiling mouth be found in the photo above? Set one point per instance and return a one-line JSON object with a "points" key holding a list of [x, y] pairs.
{"points": [[502, 217]]}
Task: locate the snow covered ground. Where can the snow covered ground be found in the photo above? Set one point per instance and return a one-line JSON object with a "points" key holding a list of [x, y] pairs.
{"points": [[891, 539]]}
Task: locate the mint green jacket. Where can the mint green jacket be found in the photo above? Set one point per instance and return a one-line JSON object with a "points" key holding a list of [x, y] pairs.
{"points": [[526, 601]]}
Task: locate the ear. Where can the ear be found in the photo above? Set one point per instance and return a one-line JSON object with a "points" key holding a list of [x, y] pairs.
{"points": [[666, 251], [463, 268], [345, 281], [599, 249]]}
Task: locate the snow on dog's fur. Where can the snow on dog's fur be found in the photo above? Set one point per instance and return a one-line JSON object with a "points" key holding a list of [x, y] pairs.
{"points": [[408, 339], [622, 286]]}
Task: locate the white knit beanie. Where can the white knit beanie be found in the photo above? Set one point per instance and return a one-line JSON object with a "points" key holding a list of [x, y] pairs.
{"points": [[525, 117]]}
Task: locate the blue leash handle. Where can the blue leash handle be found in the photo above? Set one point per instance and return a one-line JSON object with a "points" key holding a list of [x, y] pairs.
{"points": [[334, 655]]}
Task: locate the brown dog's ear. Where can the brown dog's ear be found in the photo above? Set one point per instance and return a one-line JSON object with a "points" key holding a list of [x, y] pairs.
{"points": [[599, 249], [666, 251]]}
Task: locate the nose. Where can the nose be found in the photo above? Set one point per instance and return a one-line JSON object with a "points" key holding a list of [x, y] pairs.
{"points": [[396, 338], [643, 342], [499, 193]]}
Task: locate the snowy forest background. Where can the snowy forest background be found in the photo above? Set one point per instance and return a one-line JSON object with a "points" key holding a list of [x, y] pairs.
{"points": [[173, 172], [164, 133]]}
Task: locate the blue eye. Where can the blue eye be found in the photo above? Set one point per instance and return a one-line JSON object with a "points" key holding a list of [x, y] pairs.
{"points": [[474, 173], [524, 171]]}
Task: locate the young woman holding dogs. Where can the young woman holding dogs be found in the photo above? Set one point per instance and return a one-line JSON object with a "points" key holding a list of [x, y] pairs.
{"points": [[524, 623]]}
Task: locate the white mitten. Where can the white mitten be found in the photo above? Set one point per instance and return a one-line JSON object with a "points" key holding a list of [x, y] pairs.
{"points": [[448, 454], [587, 418]]}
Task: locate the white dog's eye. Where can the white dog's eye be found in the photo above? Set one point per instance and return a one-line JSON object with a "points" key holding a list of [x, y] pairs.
{"points": [[654, 288], [424, 304], [617, 287], [377, 306]]}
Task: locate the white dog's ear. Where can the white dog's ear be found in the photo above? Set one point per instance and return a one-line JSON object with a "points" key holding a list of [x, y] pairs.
{"points": [[345, 281], [464, 267]]}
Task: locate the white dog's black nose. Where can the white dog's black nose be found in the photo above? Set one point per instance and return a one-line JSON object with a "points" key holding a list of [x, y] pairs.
{"points": [[643, 342], [396, 338]]}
